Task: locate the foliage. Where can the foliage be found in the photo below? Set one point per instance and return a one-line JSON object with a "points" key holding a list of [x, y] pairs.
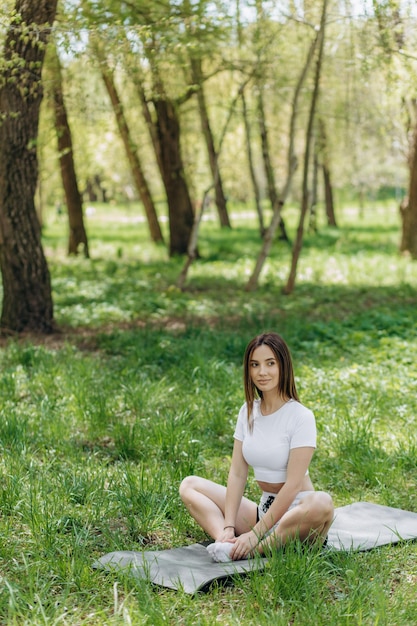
{"points": [[99, 424], [364, 89]]}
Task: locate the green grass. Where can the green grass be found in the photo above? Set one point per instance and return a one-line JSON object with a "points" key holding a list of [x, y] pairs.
{"points": [[99, 424]]}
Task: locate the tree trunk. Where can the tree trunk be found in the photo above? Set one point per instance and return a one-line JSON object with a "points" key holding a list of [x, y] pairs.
{"points": [[269, 170], [255, 185], [27, 299], [181, 214], [131, 152], [304, 202], [328, 188], [152, 127], [409, 207], [164, 129], [208, 136], [312, 224], [291, 167], [77, 232], [328, 196], [192, 252]]}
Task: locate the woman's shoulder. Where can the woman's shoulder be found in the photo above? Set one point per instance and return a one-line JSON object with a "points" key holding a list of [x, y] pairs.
{"points": [[243, 411], [295, 407]]}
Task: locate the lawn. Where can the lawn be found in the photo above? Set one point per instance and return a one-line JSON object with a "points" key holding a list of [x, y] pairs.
{"points": [[100, 422]]}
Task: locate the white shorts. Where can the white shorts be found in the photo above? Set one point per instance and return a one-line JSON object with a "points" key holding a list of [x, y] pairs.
{"points": [[267, 499]]}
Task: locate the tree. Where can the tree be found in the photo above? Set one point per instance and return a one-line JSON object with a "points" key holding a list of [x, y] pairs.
{"points": [[292, 163], [197, 78], [168, 131], [130, 148], [152, 28], [263, 125], [161, 114], [251, 165], [393, 41], [289, 287], [327, 179], [27, 299], [247, 126], [273, 194], [409, 205], [77, 232], [201, 36], [312, 224], [192, 246]]}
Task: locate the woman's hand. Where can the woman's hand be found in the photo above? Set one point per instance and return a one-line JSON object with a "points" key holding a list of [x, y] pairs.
{"points": [[244, 544]]}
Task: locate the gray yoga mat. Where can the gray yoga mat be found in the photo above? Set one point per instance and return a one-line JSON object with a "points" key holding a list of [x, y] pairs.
{"points": [[358, 526]]}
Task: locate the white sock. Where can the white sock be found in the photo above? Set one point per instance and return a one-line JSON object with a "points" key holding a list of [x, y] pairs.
{"points": [[220, 551]]}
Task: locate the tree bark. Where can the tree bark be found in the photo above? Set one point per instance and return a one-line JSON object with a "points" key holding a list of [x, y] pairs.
{"points": [[408, 208], [255, 185], [181, 214], [289, 287], [164, 129], [211, 150], [27, 299], [327, 179], [328, 196], [77, 232], [269, 170], [152, 127], [193, 243], [131, 151], [312, 224]]}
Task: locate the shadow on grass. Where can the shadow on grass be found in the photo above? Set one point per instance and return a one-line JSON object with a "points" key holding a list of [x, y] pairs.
{"points": [[344, 322]]}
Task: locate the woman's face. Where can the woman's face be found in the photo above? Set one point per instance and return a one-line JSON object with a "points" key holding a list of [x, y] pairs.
{"points": [[264, 369]]}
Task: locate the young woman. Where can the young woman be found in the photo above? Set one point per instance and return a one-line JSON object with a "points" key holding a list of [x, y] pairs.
{"points": [[276, 435]]}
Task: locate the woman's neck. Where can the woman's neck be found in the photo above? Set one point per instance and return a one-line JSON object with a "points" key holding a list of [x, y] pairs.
{"points": [[272, 402]]}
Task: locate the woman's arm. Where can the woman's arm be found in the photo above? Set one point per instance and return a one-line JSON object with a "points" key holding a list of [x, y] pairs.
{"points": [[299, 460], [236, 483]]}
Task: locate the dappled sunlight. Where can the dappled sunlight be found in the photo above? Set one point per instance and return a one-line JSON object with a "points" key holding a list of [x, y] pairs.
{"points": [[140, 283]]}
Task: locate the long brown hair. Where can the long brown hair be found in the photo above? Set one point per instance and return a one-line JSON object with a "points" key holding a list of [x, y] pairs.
{"points": [[286, 381]]}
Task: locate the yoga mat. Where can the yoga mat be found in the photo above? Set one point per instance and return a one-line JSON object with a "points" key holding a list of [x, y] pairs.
{"points": [[189, 568], [364, 525], [358, 526]]}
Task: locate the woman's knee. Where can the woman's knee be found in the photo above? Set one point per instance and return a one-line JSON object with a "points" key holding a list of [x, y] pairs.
{"points": [[322, 504], [187, 484]]}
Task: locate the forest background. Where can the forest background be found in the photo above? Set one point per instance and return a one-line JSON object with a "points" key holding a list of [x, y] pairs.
{"points": [[187, 106], [121, 355]]}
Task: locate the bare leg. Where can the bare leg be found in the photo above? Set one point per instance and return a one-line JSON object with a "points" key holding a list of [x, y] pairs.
{"points": [[205, 500], [310, 520]]}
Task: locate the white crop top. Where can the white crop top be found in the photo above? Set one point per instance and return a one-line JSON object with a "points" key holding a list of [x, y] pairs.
{"points": [[268, 446]]}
